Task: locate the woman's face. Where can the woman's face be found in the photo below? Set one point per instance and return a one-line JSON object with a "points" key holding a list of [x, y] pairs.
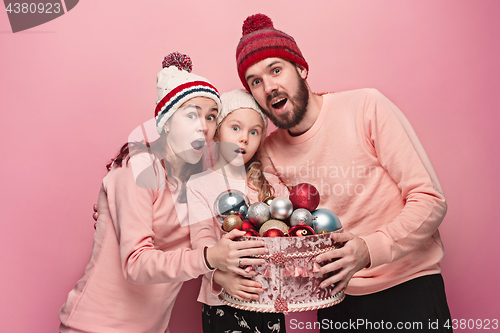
{"points": [[240, 135], [191, 127]]}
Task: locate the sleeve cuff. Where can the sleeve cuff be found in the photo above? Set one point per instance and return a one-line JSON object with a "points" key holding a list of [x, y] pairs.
{"points": [[379, 249], [215, 288]]}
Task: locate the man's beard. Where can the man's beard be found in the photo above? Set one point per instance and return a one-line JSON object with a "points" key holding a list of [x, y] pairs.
{"points": [[299, 102]]}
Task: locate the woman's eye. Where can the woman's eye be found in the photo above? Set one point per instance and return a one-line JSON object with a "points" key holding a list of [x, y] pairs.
{"points": [[192, 115], [211, 117], [235, 128]]}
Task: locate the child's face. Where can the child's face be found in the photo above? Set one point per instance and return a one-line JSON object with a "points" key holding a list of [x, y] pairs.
{"points": [[191, 127], [244, 129]]}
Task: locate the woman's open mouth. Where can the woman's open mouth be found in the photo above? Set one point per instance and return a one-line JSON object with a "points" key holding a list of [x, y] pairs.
{"points": [[198, 144]]}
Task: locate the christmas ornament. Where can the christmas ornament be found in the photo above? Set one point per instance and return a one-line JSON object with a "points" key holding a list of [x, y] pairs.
{"points": [[273, 224], [268, 200], [301, 216], [231, 202], [305, 196], [245, 225], [258, 213], [231, 222], [273, 233], [281, 208], [324, 220], [251, 232], [300, 231]]}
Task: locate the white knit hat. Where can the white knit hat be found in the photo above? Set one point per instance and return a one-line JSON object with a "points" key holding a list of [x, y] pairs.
{"points": [[235, 100], [176, 85]]}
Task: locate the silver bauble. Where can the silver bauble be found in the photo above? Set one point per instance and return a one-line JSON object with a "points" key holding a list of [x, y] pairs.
{"points": [[281, 208], [231, 202], [324, 220], [301, 216], [258, 213]]}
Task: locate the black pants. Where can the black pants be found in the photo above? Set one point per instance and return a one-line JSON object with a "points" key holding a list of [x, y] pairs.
{"points": [[220, 319], [418, 305]]}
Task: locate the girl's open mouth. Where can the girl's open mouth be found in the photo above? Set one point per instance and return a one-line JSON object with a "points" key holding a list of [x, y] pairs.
{"points": [[240, 151]]}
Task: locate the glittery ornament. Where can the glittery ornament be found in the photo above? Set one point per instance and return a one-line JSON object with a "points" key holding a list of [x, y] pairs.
{"points": [[268, 200], [324, 220], [258, 213], [301, 216], [273, 224], [300, 231], [232, 202], [231, 222], [305, 196], [281, 208]]}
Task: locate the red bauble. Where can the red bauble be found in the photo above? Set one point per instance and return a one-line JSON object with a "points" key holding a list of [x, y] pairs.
{"points": [[273, 233], [245, 225], [251, 232], [300, 231], [304, 195]]}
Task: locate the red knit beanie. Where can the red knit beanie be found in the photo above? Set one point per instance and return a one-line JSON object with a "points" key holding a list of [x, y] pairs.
{"points": [[260, 41]]}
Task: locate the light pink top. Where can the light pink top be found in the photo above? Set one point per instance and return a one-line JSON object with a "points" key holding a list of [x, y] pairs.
{"points": [[371, 170], [202, 190], [141, 255]]}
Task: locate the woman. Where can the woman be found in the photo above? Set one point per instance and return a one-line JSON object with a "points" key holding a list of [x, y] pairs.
{"points": [[141, 250]]}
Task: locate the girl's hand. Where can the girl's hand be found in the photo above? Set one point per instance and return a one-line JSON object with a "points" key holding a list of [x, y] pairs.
{"points": [[238, 286], [227, 255]]}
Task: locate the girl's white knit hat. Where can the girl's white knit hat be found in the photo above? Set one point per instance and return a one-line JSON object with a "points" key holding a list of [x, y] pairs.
{"points": [[235, 100], [176, 85]]}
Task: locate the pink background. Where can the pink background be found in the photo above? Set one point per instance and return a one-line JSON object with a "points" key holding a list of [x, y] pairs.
{"points": [[74, 88]]}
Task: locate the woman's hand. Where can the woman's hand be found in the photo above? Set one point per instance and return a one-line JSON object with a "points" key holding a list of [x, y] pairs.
{"points": [[231, 256], [238, 286]]}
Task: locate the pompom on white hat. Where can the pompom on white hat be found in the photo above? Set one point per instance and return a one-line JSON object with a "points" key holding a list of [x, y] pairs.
{"points": [[176, 85], [235, 100]]}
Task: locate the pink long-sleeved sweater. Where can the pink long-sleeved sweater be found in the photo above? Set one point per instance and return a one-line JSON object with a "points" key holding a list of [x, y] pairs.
{"points": [[371, 170], [202, 191], [141, 255]]}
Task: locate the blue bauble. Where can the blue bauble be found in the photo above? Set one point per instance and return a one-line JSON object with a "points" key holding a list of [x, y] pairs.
{"points": [[231, 202], [324, 220]]}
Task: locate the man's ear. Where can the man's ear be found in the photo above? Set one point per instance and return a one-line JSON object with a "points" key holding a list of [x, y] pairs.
{"points": [[302, 71]]}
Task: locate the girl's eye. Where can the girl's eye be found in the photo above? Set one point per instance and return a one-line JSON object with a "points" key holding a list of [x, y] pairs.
{"points": [[235, 128], [254, 132]]}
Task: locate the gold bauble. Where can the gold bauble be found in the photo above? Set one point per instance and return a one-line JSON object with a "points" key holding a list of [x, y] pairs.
{"points": [[268, 200], [273, 224], [232, 222]]}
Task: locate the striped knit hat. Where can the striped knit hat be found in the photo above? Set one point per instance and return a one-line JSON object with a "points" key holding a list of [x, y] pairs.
{"points": [[176, 85], [260, 41]]}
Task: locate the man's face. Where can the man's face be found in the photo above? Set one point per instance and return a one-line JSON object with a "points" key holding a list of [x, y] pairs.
{"points": [[279, 88]]}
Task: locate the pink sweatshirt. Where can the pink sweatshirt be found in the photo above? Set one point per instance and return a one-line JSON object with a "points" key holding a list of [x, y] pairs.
{"points": [[371, 170], [202, 190], [141, 255]]}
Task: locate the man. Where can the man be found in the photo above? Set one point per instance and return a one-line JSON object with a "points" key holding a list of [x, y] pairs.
{"points": [[361, 153]]}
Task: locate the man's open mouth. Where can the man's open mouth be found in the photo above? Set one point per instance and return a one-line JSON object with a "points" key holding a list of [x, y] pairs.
{"points": [[279, 103]]}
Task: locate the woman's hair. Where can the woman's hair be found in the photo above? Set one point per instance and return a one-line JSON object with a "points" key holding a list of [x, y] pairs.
{"points": [[158, 149], [255, 177]]}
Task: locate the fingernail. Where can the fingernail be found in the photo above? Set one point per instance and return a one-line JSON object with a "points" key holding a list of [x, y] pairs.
{"points": [[323, 285]]}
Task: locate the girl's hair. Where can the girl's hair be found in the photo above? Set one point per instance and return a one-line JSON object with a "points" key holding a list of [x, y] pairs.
{"points": [[255, 177], [158, 149]]}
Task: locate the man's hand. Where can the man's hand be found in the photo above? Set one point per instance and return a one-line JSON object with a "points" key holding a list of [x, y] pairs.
{"points": [[352, 257], [237, 286]]}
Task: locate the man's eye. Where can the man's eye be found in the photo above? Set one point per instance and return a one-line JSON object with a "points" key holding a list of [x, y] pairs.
{"points": [[276, 70], [256, 82]]}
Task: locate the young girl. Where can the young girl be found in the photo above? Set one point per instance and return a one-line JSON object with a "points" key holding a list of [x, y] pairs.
{"points": [[241, 128], [141, 252]]}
